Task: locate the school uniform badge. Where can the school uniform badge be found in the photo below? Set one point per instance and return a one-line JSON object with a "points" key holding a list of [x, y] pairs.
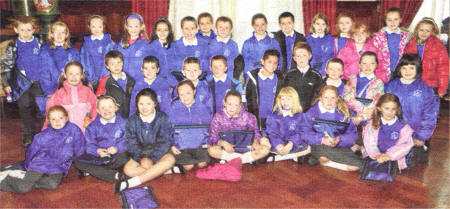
{"points": [[68, 140], [394, 135], [138, 53]]}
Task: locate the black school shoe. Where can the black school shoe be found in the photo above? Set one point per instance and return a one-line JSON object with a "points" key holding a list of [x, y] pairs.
{"points": [[81, 174], [308, 159], [263, 160], [116, 187]]}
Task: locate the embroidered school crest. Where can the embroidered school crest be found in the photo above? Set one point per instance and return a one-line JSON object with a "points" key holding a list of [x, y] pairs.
{"points": [[292, 127], [68, 139], [138, 53], [226, 53], [417, 93], [159, 98], [274, 89], [36, 51], [197, 54], [100, 49], [70, 57], [201, 97], [117, 134], [394, 135]]}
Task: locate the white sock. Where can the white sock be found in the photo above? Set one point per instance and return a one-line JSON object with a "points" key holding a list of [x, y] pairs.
{"points": [[135, 181], [17, 174], [286, 157], [247, 158], [174, 169], [336, 165], [4, 174], [229, 156], [116, 176]]}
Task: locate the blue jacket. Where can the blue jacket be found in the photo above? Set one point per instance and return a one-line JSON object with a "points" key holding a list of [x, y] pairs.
{"points": [[179, 52], [312, 137], [148, 142], [51, 64], [322, 51], [11, 66], [162, 53], [282, 130], [253, 51], [420, 107], [197, 114], [229, 50], [209, 38], [52, 150], [92, 54], [217, 96], [133, 56], [161, 88], [105, 136]]}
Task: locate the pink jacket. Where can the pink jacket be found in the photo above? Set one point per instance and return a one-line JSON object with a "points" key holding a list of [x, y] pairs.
{"points": [[350, 56], [380, 42], [434, 63], [374, 91], [396, 152], [77, 101]]}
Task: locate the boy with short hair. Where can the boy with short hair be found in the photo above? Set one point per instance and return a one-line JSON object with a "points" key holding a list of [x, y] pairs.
{"points": [[20, 77], [223, 44], [304, 79], [117, 84], [262, 86], [205, 23], [287, 37], [220, 82]]}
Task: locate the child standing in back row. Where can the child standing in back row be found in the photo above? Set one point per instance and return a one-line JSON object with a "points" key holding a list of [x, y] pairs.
{"points": [[390, 42], [20, 59], [94, 48], [205, 25], [321, 43]]}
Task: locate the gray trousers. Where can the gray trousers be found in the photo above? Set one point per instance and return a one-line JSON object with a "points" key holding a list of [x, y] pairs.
{"points": [[32, 179], [337, 154], [191, 156], [104, 172]]}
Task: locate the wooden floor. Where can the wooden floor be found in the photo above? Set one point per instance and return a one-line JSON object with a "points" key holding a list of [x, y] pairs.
{"points": [[272, 185]]}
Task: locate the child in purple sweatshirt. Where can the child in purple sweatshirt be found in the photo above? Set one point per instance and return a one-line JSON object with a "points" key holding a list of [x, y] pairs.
{"points": [[234, 117], [330, 132]]}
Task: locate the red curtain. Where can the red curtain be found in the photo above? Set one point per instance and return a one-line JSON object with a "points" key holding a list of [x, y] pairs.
{"points": [[312, 7], [150, 10], [4, 5], [409, 9]]}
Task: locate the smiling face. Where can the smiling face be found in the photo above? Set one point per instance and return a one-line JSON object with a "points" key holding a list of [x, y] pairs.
{"points": [[162, 31], [59, 35], [408, 72], [319, 26], [205, 24], [287, 25], [269, 64], [25, 31], [107, 109], [329, 99], [96, 27], [367, 65], [360, 37], [146, 106], [302, 57], [150, 70], [186, 94], [189, 29], [73, 75], [57, 119], [334, 70], [218, 68], [345, 24], [393, 20], [424, 31], [115, 65], [191, 71], [232, 105], [388, 110], [223, 29], [286, 102], [260, 26], [134, 28]]}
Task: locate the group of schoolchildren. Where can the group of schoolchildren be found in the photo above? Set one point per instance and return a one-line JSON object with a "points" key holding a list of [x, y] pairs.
{"points": [[118, 110]]}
